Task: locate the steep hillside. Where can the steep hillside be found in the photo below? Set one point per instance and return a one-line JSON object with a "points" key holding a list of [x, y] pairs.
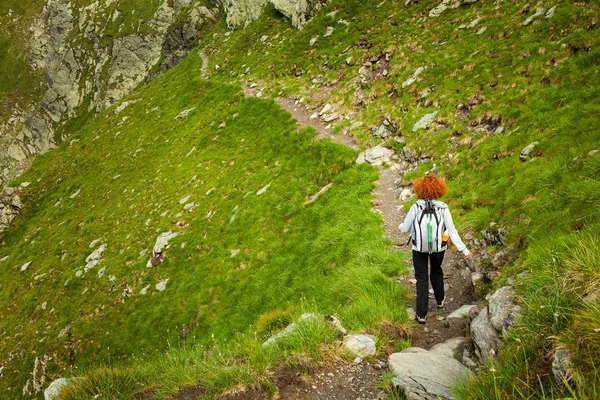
{"points": [[498, 98], [85, 279], [62, 61]]}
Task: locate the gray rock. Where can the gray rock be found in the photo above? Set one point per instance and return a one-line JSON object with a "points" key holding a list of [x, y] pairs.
{"points": [[361, 159], [476, 279], [425, 122], [288, 330], [162, 242], [500, 306], [531, 18], [162, 285], [185, 113], [484, 336], [422, 374], [360, 345], [263, 189], [452, 348], [462, 312], [378, 155], [550, 12], [52, 392], [526, 152], [406, 194], [438, 10], [25, 266], [413, 78], [94, 258]]}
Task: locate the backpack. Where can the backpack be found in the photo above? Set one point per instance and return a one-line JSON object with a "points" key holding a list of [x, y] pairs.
{"points": [[428, 228]]}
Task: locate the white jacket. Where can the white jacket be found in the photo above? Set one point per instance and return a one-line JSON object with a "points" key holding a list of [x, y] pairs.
{"points": [[407, 225]]}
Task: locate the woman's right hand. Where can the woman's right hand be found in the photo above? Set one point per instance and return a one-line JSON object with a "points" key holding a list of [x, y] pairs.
{"points": [[468, 255]]}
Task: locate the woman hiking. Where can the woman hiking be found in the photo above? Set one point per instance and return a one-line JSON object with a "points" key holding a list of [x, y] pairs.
{"points": [[430, 224]]}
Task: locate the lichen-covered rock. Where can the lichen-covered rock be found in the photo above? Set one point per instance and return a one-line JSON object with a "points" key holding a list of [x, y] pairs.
{"points": [[501, 304], [484, 336], [425, 122], [53, 390], [242, 12], [298, 11]]}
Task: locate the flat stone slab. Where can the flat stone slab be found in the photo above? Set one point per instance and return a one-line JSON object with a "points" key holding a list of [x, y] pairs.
{"points": [[422, 374], [451, 348]]}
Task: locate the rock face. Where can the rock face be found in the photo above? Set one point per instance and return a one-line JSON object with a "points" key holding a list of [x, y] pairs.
{"points": [[69, 45], [242, 12], [502, 309], [53, 390], [422, 374], [9, 209], [298, 11]]}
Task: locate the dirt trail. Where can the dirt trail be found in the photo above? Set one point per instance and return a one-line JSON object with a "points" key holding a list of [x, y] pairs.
{"points": [[359, 381]]}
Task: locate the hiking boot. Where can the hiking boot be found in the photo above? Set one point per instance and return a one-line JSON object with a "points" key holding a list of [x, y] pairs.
{"points": [[440, 304], [420, 320]]}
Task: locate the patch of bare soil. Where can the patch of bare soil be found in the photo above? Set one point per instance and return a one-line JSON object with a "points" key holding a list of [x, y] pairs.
{"points": [[348, 381]]}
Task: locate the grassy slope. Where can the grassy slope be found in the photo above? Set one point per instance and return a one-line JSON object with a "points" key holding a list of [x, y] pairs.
{"points": [[541, 80], [131, 168]]}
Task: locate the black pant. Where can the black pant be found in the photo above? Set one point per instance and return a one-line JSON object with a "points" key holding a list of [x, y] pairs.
{"points": [[421, 275]]}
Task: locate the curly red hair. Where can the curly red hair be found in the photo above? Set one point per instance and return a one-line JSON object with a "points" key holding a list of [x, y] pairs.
{"points": [[430, 187]]}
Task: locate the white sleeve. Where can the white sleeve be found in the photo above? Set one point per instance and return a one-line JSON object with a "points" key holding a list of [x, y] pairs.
{"points": [[460, 246], [406, 226]]}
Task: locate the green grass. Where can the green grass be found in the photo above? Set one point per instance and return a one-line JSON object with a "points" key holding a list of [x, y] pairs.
{"points": [[130, 171]]}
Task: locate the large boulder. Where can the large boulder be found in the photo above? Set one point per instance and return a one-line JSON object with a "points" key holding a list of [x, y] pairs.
{"points": [[242, 12], [422, 374]]}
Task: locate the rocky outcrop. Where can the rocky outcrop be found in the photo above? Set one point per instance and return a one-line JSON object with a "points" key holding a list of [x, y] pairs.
{"points": [[298, 11], [241, 12], [10, 205], [81, 67]]}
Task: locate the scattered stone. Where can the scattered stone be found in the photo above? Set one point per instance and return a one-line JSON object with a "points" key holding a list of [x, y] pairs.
{"points": [[25, 266], [53, 390], [484, 336], [101, 272], [452, 348], [186, 198], [550, 12], [263, 190], [499, 130], [422, 374], [145, 289], [162, 285], [481, 31], [526, 152], [329, 31], [288, 329], [462, 312], [314, 197], [360, 345], [425, 122], [413, 78], [361, 159], [406, 194], [378, 155], [438, 10], [476, 279], [94, 259], [162, 242], [75, 194], [531, 18], [185, 113], [95, 242]]}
